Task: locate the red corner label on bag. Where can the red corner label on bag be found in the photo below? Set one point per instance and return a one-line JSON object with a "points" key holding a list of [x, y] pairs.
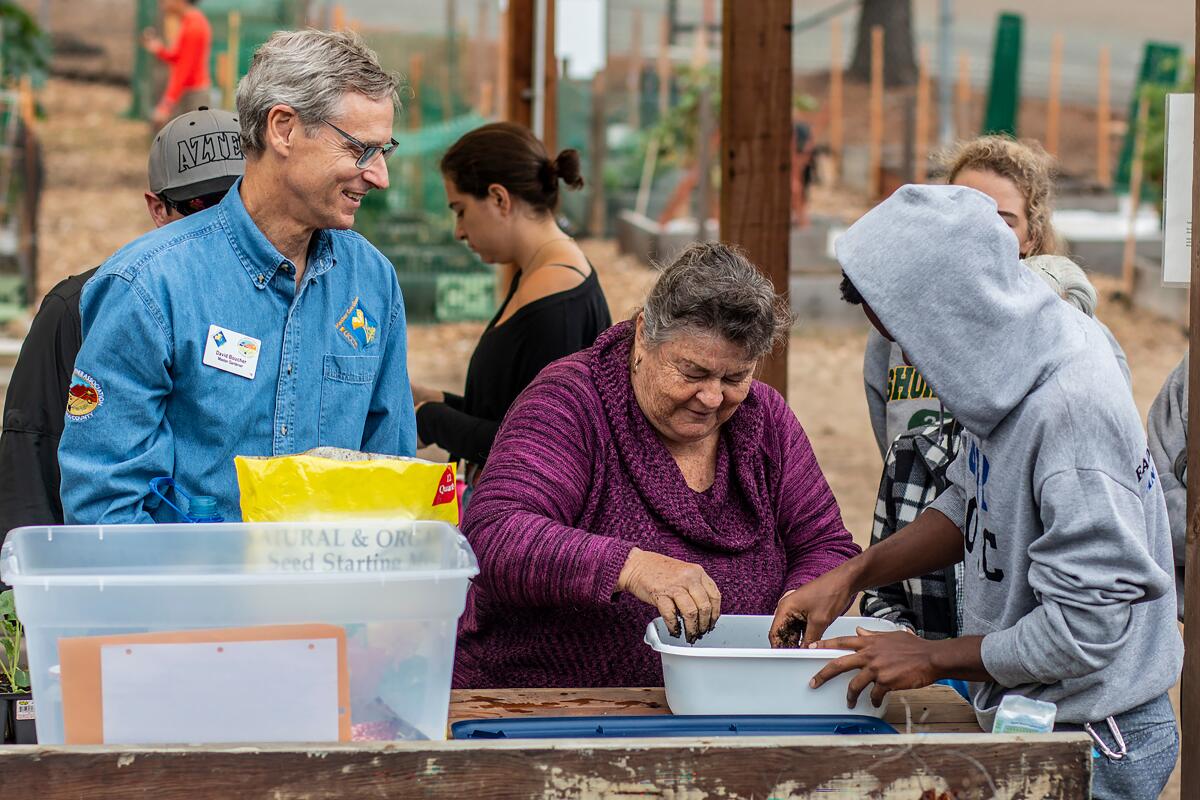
{"points": [[446, 490]]}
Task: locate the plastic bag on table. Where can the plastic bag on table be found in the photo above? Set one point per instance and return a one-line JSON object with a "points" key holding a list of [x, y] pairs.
{"points": [[329, 483]]}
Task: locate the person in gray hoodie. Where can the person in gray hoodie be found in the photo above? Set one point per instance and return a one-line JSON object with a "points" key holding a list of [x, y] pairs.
{"points": [[1018, 176], [1053, 504], [1166, 427]]}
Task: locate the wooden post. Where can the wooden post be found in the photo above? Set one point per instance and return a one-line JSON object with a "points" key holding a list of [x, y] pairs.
{"points": [[874, 176], [502, 63], [224, 78], [756, 144], [550, 86], [633, 80], [518, 94], [1054, 101], [339, 17], [702, 199], [27, 105], [1189, 728], [921, 150], [416, 65], [451, 66], [836, 135], [664, 66], [519, 20], [597, 213], [1103, 122], [478, 58], [234, 44], [646, 183], [963, 98], [487, 98], [1128, 272]]}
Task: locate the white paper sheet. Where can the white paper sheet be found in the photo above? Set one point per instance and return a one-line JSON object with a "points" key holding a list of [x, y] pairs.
{"points": [[269, 691], [1177, 191]]}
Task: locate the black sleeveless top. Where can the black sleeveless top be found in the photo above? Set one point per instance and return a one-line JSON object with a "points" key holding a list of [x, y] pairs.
{"points": [[507, 359]]}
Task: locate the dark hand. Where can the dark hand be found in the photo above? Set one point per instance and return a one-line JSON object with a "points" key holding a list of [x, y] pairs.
{"points": [[894, 660], [802, 615]]}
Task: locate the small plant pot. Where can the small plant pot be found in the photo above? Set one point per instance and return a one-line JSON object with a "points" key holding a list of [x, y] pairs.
{"points": [[19, 724]]}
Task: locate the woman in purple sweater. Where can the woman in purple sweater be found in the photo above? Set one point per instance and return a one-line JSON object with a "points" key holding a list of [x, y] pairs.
{"points": [[647, 475]]}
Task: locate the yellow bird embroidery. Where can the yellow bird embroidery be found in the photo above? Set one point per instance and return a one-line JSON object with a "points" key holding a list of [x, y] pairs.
{"points": [[360, 321]]}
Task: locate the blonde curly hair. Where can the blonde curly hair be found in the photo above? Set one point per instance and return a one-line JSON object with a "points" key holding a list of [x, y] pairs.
{"points": [[1030, 169]]}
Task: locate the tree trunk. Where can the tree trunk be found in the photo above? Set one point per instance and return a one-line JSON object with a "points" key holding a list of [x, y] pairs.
{"points": [[899, 63]]}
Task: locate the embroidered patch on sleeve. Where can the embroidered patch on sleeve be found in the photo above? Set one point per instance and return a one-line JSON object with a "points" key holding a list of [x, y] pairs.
{"points": [[84, 396], [358, 326]]}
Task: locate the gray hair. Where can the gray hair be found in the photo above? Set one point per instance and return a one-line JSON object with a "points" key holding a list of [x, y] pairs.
{"points": [[1067, 280], [310, 71], [713, 287]]}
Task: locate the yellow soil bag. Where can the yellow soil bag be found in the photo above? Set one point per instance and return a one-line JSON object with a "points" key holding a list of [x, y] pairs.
{"points": [[329, 483]]}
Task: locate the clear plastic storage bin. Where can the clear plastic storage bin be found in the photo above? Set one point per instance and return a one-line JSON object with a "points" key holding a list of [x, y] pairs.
{"points": [[734, 670], [394, 588]]}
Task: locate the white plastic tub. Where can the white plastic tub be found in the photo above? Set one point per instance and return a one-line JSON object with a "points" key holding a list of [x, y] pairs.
{"points": [[734, 670], [396, 589]]}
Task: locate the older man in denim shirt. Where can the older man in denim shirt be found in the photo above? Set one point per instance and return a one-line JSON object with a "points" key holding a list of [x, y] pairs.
{"points": [[259, 327]]}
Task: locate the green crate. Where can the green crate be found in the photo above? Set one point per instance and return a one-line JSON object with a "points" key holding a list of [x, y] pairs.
{"points": [[12, 297], [420, 296], [466, 298]]}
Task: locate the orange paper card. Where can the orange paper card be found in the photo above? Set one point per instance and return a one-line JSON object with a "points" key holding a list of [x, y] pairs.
{"points": [[154, 667]]}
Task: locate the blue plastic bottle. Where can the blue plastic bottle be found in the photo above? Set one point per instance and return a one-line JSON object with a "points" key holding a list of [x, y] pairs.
{"points": [[203, 508]]}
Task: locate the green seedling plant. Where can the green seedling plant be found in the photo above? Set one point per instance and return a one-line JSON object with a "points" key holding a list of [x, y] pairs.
{"points": [[12, 677]]}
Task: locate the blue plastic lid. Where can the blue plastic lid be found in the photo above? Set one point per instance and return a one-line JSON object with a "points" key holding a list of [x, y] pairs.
{"points": [[202, 505], [668, 725]]}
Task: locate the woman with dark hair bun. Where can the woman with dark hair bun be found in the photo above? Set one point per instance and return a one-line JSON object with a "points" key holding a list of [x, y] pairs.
{"points": [[503, 188]]}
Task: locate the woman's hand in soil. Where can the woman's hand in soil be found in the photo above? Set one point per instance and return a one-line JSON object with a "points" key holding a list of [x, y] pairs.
{"points": [[676, 588], [803, 614], [891, 660]]}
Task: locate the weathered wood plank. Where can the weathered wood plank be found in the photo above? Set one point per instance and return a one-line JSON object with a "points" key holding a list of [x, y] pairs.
{"points": [[934, 709], [1054, 767]]}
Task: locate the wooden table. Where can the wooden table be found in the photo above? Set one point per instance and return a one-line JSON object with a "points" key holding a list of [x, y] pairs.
{"points": [[934, 709], [932, 763]]}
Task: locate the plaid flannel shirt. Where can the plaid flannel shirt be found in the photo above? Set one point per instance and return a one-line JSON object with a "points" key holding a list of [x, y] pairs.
{"points": [[914, 474]]}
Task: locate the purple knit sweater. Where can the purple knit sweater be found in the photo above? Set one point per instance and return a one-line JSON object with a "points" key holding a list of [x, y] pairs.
{"points": [[577, 478]]}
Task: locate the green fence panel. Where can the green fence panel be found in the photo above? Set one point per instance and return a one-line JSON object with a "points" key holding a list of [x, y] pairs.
{"points": [[1160, 68], [1004, 92]]}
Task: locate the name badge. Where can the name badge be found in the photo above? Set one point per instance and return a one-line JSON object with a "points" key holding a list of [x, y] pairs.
{"points": [[231, 351]]}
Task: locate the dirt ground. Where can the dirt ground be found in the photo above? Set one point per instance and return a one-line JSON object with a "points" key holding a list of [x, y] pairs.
{"points": [[96, 173]]}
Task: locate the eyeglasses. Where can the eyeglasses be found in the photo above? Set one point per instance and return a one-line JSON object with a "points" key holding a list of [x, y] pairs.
{"points": [[193, 204], [369, 151]]}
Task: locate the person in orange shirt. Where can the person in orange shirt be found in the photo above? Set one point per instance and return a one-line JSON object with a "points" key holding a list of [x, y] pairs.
{"points": [[189, 85]]}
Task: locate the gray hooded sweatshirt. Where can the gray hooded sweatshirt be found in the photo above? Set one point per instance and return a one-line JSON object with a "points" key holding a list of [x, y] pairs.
{"points": [[1068, 570], [900, 401], [1167, 429]]}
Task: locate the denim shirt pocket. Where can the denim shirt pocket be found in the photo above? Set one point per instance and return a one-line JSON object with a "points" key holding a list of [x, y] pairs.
{"points": [[347, 383]]}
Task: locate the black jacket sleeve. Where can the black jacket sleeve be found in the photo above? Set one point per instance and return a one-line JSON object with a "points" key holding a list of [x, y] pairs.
{"points": [[456, 431], [33, 417]]}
